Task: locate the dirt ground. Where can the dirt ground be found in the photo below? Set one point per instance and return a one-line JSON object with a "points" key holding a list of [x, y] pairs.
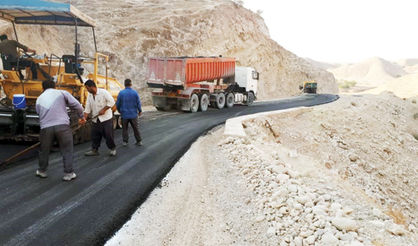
{"points": [[343, 173]]}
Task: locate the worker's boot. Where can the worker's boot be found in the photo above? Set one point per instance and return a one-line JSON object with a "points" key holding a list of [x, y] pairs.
{"points": [[112, 152], [41, 174], [69, 176], [92, 152]]}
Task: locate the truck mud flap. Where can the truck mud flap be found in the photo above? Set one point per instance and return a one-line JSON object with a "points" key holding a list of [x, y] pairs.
{"points": [[183, 104]]}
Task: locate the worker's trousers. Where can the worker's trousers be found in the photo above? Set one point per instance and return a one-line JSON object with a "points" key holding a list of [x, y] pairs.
{"points": [[102, 129], [23, 63], [64, 136], [134, 124]]}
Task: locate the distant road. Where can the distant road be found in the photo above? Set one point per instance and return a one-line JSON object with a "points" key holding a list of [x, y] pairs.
{"points": [[88, 210]]}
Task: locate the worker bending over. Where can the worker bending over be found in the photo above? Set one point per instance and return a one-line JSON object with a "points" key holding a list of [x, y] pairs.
{"points": [[51, 106]]}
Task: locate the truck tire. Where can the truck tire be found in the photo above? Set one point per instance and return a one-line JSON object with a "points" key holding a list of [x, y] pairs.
{"points": [[194, 103], [230, 100], [220, 100], [204, 102], [250, 98]]}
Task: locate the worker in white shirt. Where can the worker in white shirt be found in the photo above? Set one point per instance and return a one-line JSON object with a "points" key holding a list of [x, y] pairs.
{"points": [[99, 104]]}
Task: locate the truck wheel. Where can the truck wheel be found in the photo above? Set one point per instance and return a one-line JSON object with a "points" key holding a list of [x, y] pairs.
{"points": [[250, 98], [204, 102], [220, 100], [194, 103], [230, 100]]}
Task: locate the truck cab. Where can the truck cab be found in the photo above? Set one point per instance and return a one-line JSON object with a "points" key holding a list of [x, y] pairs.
{"points": [[247, 77]]}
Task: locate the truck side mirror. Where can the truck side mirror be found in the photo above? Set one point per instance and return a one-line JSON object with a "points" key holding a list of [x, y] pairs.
{"points": [[300, 87], [255, 75]]}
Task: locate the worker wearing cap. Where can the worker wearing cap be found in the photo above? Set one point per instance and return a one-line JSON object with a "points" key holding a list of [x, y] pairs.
{"points": [[99, 104]]}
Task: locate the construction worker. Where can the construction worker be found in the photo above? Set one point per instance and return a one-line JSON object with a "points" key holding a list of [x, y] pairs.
{"points": [[10, 56], [51, 106], [129, 106], [99, 104]]}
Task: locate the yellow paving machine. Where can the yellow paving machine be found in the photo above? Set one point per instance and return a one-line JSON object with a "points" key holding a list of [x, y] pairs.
{"points": [[18, 118], [309, 87]]}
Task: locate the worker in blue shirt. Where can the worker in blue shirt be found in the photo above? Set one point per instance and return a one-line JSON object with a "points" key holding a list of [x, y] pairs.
{"points": [[129, 106]]}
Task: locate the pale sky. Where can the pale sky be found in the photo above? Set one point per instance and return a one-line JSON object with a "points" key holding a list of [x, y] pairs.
{"points": [[342, 30]]}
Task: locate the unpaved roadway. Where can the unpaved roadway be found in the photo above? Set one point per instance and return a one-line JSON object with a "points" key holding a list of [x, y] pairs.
{"points": [[88, 210]]}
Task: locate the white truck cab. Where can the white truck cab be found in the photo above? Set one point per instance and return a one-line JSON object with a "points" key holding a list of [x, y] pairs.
{"points": [[247, 78]]}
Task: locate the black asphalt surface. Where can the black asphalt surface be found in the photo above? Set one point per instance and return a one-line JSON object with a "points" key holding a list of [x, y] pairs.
{"points": [[90, 209]]}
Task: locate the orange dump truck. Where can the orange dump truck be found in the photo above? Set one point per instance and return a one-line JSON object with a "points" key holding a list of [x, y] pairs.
{"points": [[195, 83]]}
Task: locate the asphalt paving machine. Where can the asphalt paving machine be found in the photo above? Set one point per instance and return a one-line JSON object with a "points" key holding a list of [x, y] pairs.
{"points": [[18, 118], [309, 87]]}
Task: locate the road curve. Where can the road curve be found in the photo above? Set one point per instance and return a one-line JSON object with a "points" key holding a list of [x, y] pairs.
{"points": [[88, 210]]}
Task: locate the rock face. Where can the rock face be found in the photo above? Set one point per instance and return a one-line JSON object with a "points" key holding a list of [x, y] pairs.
{"points": [[130, 31]]}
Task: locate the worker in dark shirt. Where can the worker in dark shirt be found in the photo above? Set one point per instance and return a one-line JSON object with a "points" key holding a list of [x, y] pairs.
{"points": [[10, 55], [129, 106]]}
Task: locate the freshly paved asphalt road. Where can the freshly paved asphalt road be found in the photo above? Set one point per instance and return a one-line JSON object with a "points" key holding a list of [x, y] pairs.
{"points": [[88, 210]]}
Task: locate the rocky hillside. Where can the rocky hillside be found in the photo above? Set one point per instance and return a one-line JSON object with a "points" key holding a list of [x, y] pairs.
{"points": [[130, 31]]}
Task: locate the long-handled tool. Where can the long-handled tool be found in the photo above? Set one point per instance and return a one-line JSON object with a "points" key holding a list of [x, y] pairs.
{"points": [[10, 159]]}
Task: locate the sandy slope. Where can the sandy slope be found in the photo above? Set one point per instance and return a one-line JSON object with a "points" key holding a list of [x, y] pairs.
{"points": [[377, 75], [311, 176], [371, 72], [405, 86], [407, 62]]}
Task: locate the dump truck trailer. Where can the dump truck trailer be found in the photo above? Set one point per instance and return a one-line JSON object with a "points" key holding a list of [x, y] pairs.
{"points": [[195, 83]]}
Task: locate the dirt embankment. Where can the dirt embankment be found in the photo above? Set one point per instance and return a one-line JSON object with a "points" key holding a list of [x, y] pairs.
{"points": [[339, 174], [131, 31]]}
